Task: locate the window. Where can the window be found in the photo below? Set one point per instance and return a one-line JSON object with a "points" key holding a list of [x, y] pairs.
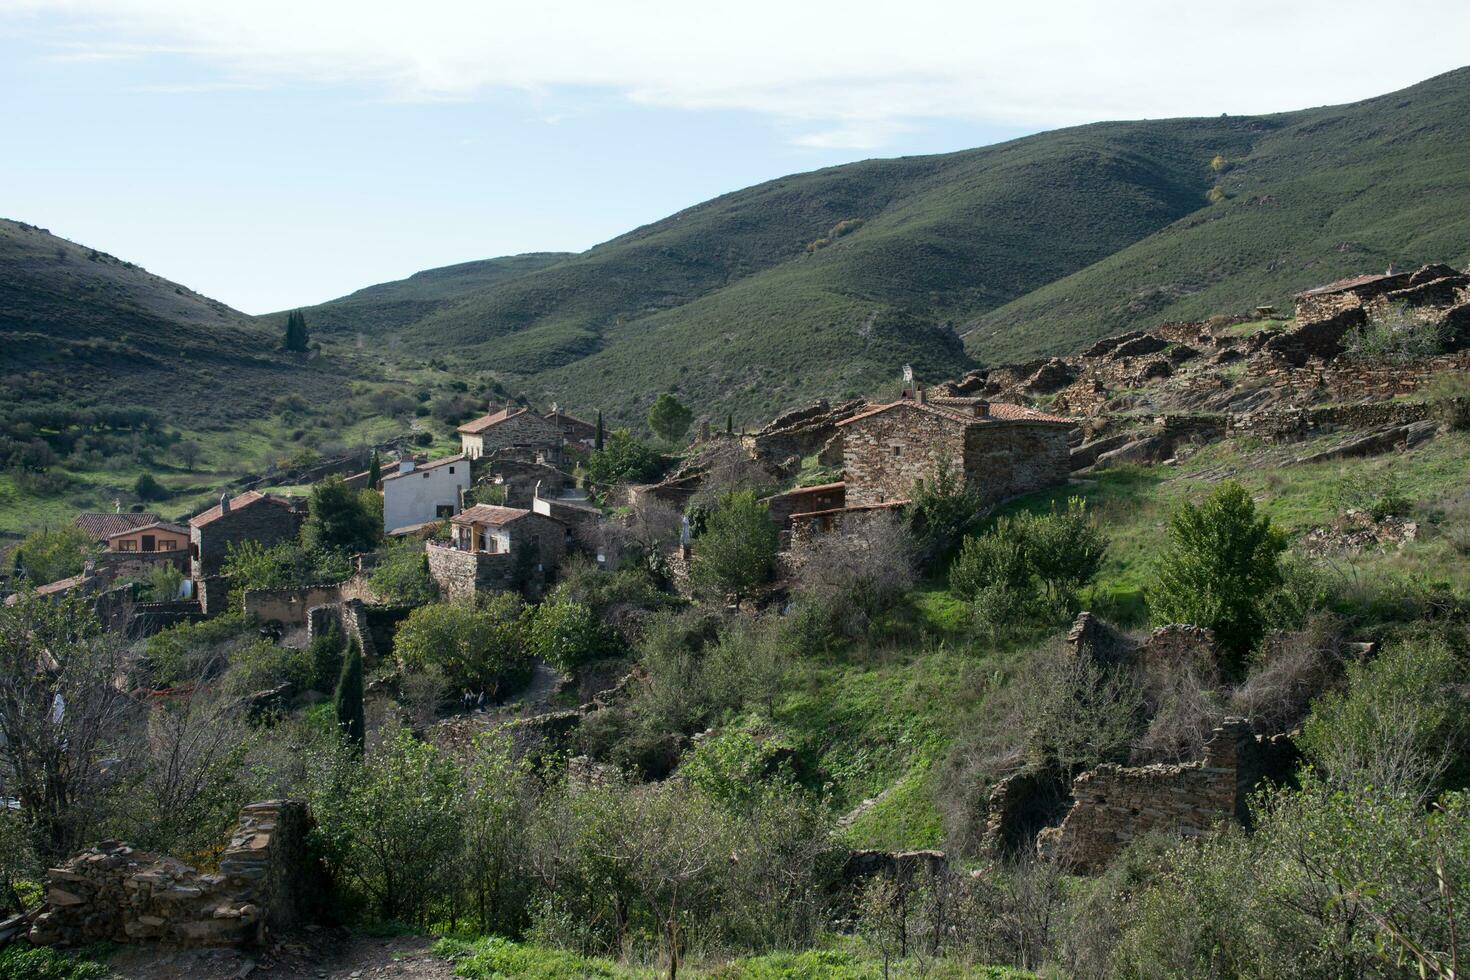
{"points": [[127, 546], [898, 450], [451, 469], [444, 510]]}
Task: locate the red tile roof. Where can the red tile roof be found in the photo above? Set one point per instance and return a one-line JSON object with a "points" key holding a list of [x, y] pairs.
{"points": [[103, 526], [476, 426], [999, 412], [489, 514], [238, 502]]}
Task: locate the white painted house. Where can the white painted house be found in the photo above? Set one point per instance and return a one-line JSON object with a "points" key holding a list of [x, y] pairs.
{"points": [[423, 492]]}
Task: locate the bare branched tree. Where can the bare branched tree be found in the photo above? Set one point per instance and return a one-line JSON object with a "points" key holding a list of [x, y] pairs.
{"points": [[65, 718], [856, 572]]}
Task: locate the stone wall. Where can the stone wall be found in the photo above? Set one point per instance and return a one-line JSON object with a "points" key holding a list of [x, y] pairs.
{"points": [[350, 620], [1289, 424], [462, 574], [1114, 805], [291, 606], [266, 883], [886, 454], [1008, 458]]}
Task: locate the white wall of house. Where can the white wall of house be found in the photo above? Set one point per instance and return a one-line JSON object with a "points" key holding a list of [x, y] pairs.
{"points": [[419, 495]]}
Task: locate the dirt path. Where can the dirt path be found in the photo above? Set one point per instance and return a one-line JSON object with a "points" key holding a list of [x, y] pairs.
{"points": [[326, 955]]}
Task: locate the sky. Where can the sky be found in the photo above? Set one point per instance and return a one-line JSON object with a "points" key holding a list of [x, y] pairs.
{"points": [[278, 153]]}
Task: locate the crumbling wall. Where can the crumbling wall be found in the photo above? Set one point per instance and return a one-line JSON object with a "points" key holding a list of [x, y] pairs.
{"points": [[1114, 805], [266, 882]]}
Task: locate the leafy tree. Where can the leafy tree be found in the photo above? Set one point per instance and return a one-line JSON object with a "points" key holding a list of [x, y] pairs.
{"points": [[342, 519], [939, 513], [297, 337], [476, 648], [402, 575], [347, 699], [1053, 554], [375, 472], [567, 634], [51, 554], [189, 453], [623, 460], [1223, 561], [147, 487], [737, 550], [669, 418]]}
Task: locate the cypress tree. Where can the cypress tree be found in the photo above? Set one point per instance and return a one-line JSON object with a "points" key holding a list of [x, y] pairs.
{"points": [[730, 424], [348, 698], [597, 439], [375, 472], [296, 334]]}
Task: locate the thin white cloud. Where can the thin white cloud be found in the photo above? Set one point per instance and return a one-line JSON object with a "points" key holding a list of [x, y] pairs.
{"points": [[845, 72]]}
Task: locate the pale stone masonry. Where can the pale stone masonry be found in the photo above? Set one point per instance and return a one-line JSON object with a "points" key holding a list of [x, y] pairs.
{"points": [[507, 427], [997, 450]]}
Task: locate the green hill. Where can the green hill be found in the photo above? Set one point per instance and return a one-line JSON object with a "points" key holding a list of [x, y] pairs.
{"points": [[825, 282], [80, 328]]}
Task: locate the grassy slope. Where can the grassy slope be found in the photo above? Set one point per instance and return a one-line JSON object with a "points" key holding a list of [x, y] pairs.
{"points": [[78, 328], [726, 303], [1325, 193]]}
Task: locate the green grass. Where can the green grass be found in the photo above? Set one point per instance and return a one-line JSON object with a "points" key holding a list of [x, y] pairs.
{"points": [[493, 958]]}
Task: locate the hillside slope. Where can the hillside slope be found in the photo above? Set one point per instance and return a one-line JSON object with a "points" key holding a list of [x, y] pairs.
{"points": [[825, 282], [81, 328], [1322, 194]]}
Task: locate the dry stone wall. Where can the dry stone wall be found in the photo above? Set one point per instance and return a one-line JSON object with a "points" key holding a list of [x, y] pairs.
{"points": [[266, 882]]}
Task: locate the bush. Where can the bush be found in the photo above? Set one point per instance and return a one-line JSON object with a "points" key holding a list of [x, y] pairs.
{"points": [[49, 555], [1222, 562], [622, 459], [567, 634], [24, 962], [857, 573], [477, 649], [1055, 554], [737, 551], [939, 513], [342, 519], [251, 565], [1397, 334], [1402, 724], [146, 487], [402, 575], [190, 652]]}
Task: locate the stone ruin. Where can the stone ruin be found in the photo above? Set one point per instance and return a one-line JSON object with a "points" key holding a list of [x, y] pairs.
{"points": [[266, 882]]}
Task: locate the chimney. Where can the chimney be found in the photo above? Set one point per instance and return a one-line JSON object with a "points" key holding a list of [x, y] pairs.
{"points": [[406, 464], [982, 408], [224, 503], [919, 394]]}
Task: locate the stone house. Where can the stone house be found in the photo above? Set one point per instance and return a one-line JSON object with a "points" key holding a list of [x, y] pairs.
{"points": [[250, 516], [574, 431], [1325, 302], [497, 549], [420, 493], [998, 450], [805, 500], [505, 428]]}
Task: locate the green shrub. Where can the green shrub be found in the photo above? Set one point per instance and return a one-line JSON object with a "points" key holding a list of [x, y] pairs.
{"points": [[622, 459], [251, 565], [147, 487], [23, 962], [567, 634], [478, 649], [51, 554], [1397, 334], [195, 651], [737, 551], [1221, 564], [341, 519], [402, 575], [939, 513]]}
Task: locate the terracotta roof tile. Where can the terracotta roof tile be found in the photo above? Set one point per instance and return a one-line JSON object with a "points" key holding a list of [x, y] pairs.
{"points": [[104, 526], [476, 426], [237, 502], [490, 514]]}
